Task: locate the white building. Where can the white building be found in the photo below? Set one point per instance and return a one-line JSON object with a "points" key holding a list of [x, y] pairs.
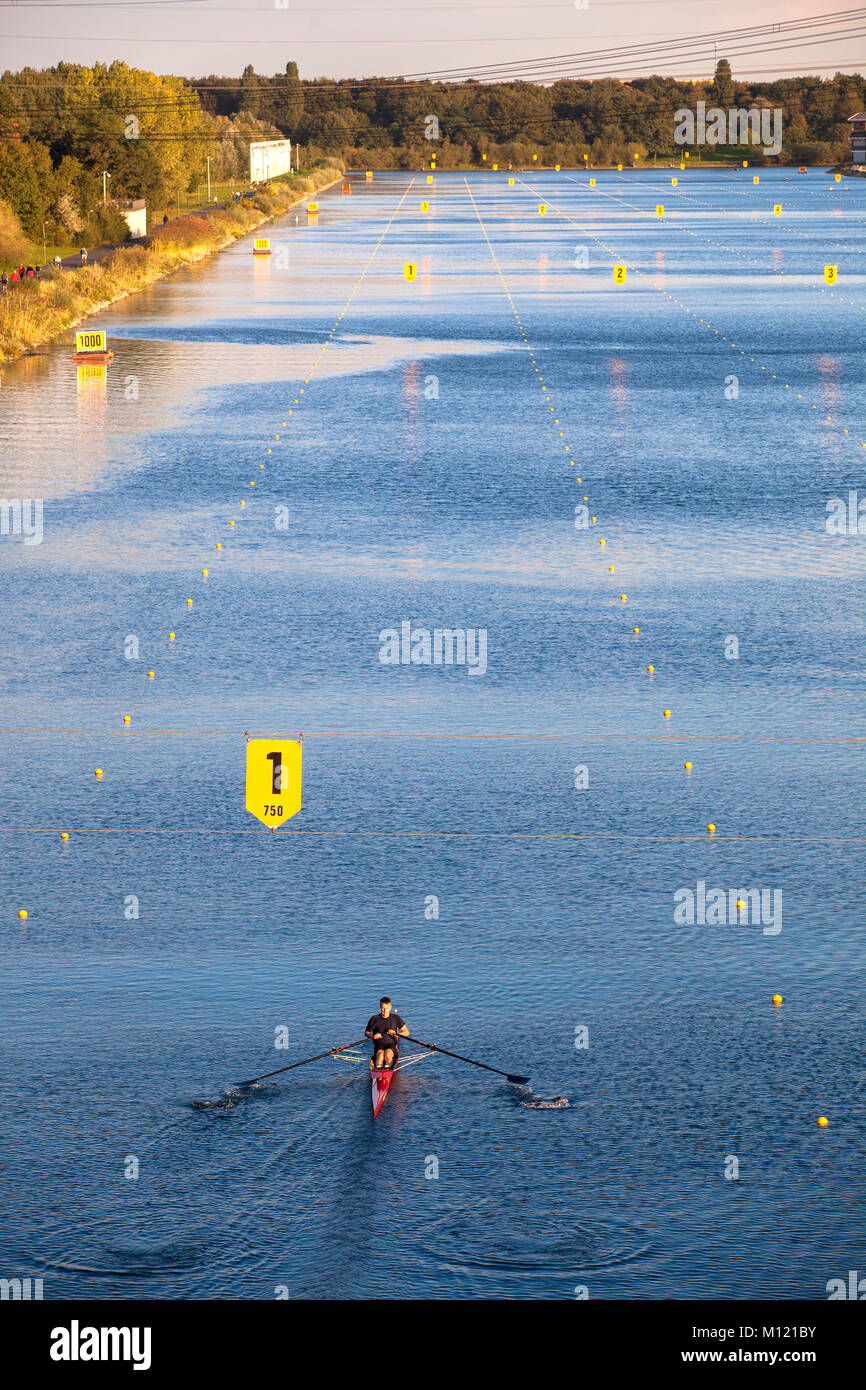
{"points": [[268, 158], [134, 213]]}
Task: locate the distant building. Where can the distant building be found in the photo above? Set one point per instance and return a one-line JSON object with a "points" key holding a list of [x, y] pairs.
{"points": [[269, 159], [858, 137], [134, 213]]}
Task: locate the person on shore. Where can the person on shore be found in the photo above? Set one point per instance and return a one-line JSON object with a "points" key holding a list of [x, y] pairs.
{"points": [[84, 255], [57, 262], [4, 281], [30, 272], [165, 218], [14, 278]]}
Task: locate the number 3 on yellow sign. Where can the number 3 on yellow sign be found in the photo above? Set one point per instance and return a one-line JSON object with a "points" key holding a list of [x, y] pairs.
{"points": [[619, 274], [273, 779], [831, 274]]}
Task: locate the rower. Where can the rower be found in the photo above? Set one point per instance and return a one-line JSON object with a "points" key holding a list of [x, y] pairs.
{"points": [[385, 1029]]}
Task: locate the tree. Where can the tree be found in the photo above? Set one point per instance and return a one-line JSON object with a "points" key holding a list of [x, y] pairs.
{"points": [[291, 102], [722, 90], [251, 97]]}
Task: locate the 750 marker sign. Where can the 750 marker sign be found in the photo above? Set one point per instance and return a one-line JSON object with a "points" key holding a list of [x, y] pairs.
{"points": [[273, 779]]}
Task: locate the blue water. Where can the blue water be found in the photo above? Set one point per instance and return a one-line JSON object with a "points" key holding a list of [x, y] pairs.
{"points": [[426, 481]]}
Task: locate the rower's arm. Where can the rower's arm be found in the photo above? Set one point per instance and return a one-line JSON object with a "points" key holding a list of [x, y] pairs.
{"points": [[404, 1031]]}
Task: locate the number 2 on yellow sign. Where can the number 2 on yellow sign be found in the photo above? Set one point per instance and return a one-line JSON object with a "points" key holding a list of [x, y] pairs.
{"points": [[619, 274]]}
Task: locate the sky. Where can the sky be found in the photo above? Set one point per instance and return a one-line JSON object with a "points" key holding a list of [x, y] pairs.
{"points": [[348, 38]]}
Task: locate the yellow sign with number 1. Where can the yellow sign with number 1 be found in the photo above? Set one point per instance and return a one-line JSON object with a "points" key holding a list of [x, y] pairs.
{"points": [[273, 779]]}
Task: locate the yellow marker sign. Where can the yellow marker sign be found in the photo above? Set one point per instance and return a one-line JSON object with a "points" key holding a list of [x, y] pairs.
{"points": [[745, 164], [429, 178], [312, 209], [425, 206], [838, 178], [556, 167], [496, 166], [368, 175], [262, 246], [831, 274], [777, 209], [619, 274], [410, 270], [660, 211], [592, 183], [542, 209], [755, 179], [511, 183], [619, 168], [273, 779], [673, 183], [535, 156], [90, 341]]}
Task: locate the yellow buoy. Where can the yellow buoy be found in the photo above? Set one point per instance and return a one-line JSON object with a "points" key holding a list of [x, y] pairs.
{"points": [[711, 828], [150, 675], [740, 904], [635, 630], [823, 1121], [687, 766], [64, 834], [97, 772], [219, 545], [205, 573], [171, 637], [622, 598], [127, 719], [189, 603], [650, 669], [666, 713], [777, 999], [610, 569], [22, 913], [231, 523], [601, 542]]}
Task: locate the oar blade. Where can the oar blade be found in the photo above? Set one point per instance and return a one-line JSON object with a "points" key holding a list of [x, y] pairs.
{"points": [[517, 1080]]}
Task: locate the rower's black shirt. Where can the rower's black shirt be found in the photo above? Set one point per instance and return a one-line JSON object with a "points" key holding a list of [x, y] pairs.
{"points": [[378, 1024]]}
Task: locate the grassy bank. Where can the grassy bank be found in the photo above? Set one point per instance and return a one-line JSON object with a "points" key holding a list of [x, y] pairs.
{"points": [[39, 310]]}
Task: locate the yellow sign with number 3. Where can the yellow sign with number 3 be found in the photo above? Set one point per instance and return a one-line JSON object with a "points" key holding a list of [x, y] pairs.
{"points": [[831, 274], [273, 779]]}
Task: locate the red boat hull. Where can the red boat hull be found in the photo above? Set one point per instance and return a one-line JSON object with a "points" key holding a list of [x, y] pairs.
{"points": [[381, 1086]]}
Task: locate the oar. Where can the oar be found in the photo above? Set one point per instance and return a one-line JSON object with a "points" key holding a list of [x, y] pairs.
{"points": [[332, 1052], [516, 1080]]}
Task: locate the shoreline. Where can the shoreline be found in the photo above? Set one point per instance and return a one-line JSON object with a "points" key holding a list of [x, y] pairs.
{"points": [[35, 315]]}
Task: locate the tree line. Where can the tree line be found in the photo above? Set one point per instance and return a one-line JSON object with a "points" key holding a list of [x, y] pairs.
{"points": [[63, 128]]}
